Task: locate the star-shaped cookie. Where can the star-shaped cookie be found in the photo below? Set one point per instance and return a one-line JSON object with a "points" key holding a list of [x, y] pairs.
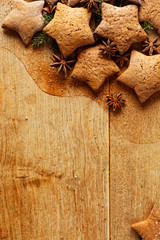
{"points": [[25, 18], [70, 28], [150, 11], [121, 25], [143, 75], [149, 229], [93, 67]]}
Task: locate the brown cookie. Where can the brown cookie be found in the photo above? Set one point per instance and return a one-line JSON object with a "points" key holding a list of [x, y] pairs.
{"points": [[25, 18], [150, 11], [70, 28], [149, 229], [121, 25], [93, 68], [143, 75]]}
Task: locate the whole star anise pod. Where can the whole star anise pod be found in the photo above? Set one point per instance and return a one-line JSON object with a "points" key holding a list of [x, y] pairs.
{"points": [[90, 4], [49, 9], [108, 48], [150, 46], [61, 63], [122, 59], [115, 100]]}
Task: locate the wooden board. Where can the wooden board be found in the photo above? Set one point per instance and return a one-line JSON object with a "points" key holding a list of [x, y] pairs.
{"points": [[54, 161], [70, 170], [134, 162]]}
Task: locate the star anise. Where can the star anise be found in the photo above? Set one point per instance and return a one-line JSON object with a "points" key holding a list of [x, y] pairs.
{"points": [[150, 46], [90, 4], [122, 59], [61, 63], [115, 100], [108, 48], [49, 9]]}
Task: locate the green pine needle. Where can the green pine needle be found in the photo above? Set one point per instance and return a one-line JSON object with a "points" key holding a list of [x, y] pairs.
{"points": [[147, 26], [54, 46], [40, 40], [47, 18]]}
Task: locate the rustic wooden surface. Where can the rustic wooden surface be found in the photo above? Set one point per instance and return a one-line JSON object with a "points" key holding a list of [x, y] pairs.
{"points": [[70, 170], [134, 163], [54, 161]]}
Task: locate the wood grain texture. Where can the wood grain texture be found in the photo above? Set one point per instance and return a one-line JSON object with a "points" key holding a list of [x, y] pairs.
{"points": [[37, 63], [54, 152], [54, 155], [134, 162]]}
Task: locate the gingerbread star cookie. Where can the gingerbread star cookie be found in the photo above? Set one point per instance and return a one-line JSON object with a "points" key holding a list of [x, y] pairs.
{"points": [[149, 229], [93, 68], [150, 11], [25, 18], [70, 28], [120, 24], [143, 75]]}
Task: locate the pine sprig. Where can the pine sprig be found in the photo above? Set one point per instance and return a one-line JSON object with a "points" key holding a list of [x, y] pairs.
{"points": [[147, 26], [47, 18], [40, 40], [54, 46]]}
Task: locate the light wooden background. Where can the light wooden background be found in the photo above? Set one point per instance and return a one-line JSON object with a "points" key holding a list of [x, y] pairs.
{"points": [[70, 170]]}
